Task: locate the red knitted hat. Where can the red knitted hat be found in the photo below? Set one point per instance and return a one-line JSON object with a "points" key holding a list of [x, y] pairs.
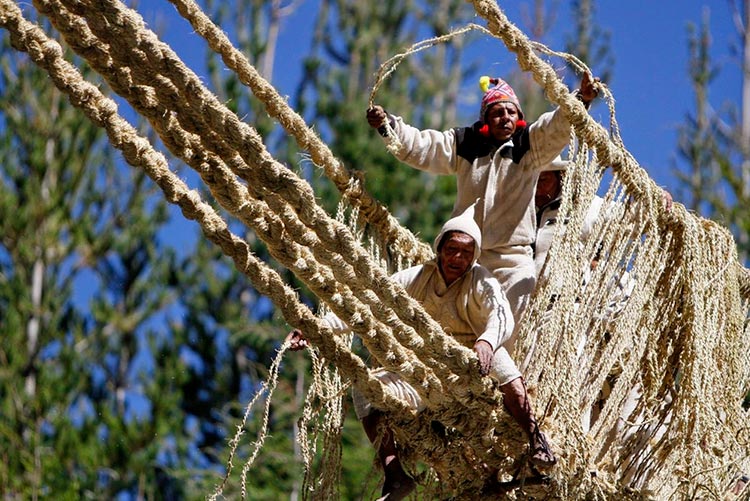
{"points": [[500, 93]]}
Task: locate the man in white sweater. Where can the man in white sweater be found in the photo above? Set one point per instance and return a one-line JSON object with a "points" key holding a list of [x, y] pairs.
{"points": [[469, 304], [547, 200], [498, 160]]}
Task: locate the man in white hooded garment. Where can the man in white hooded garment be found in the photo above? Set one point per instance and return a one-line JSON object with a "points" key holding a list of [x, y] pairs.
{"points": [[469, 304]]}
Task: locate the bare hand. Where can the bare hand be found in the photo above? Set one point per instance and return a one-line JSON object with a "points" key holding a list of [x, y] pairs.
{"points": [[376, 116], [296, 340], [589, 88], [483, 349], [666, 198]]}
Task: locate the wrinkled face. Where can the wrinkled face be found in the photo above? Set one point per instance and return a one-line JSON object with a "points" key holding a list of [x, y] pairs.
{"points": [[501, 119], [547, 187], [455, 255]]}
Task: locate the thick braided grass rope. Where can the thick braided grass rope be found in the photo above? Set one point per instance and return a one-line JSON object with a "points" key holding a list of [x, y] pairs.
{"points": [[255, 214], [679, 342], [200, 104], [402, 362], [48, 54], [395, 236], [684, 320], [123, 22]]}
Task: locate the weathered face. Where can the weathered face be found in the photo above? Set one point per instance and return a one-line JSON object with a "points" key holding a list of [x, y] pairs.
{"points": [[501, 119], [547, 187], [455, 256]]}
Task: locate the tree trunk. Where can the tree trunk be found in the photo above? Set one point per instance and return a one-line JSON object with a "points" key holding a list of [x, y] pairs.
{"points": [[745, 119]]}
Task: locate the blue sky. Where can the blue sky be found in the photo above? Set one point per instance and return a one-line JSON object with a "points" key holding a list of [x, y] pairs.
{"points": [[651, 84], [648, 40]]}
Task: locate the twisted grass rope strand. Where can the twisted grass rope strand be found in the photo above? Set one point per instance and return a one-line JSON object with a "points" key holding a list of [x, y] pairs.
{"points": [[48, 55], [397, 237], [112, 17], [259, 216]]}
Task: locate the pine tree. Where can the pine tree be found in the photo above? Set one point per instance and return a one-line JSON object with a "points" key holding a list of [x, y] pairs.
{"points": [[589, 41], [715, 149], [48, 238], [713, 142], [86, 409]]}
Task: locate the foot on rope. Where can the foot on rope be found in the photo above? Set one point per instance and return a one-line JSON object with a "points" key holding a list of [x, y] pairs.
{"points": [[541, 453]]}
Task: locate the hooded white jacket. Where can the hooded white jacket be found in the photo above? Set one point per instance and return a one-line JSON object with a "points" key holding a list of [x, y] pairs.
{"points": [[472, 308]]}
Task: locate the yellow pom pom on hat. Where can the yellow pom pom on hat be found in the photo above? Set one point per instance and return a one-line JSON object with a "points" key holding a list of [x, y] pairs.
{"points": [[502, 92]]}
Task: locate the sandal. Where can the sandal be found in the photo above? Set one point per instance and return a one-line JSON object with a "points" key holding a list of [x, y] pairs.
{"points": [[541, 453]]}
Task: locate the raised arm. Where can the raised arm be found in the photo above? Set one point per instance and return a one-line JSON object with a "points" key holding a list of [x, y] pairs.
{"points": [[428, 150]]}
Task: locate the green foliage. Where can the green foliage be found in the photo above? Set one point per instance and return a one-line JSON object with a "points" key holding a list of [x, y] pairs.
{"points": [[712, 148], [46, 150], [81, 417], [589, 42]]}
